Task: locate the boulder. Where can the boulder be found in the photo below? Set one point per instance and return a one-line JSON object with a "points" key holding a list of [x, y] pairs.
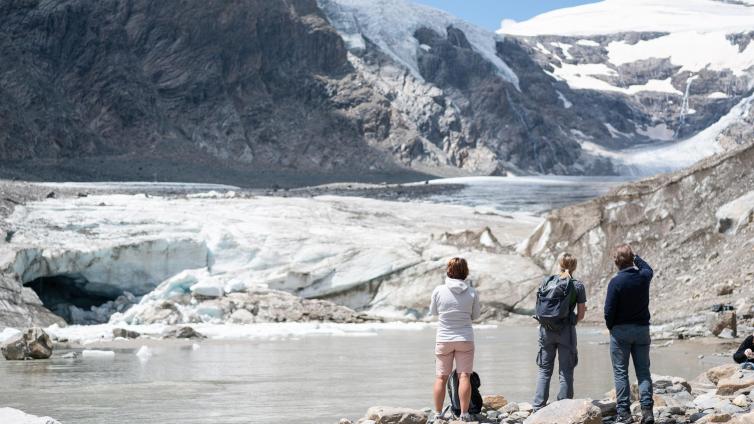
{"points": [[386, 415], [741, 379], [714, 418], [188, 333], [126, 334], [242, 316], [510, 408], [606, 406], [723, 371], [568, 411], [735, 215], [33, 343], [741, 401], [721, 321], [743, 419], [494, 402]]}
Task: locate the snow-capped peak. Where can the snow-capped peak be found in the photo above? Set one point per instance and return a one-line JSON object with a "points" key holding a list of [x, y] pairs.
{"points": [[390, 24], [615, 16]]}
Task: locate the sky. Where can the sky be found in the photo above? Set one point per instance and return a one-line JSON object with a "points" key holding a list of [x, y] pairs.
{"points": [[489, 13]]}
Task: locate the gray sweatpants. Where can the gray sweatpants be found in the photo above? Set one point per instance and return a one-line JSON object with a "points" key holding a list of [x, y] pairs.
{"points": [[562, 343]]}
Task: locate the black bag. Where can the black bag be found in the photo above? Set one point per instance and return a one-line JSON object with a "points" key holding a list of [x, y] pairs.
{"points": [[555, 301], [475, 406]]}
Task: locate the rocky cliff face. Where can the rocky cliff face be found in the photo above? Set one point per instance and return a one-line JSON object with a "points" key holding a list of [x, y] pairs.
{"points": [[245, 85], [694, 227], [238, 90]]}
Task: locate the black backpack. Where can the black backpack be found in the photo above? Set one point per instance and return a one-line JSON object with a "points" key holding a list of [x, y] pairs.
{"points": [[555, 301], [475, 406]]}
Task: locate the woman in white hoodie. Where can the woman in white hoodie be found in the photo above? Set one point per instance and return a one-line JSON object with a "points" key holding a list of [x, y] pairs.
{"points": [[457, 305]]}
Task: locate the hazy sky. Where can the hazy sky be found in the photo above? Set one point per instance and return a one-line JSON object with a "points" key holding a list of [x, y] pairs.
{"points": [[489, 13]]}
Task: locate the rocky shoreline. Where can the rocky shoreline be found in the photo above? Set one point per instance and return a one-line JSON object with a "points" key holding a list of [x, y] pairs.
{"points": [[724, 394]]}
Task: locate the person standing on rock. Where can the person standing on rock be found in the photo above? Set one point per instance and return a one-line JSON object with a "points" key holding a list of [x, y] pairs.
{"points": [[627, 318], [558, 336], [457, 305]]}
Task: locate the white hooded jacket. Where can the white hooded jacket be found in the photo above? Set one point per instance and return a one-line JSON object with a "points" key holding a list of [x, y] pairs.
{"points": [[457, 304]]}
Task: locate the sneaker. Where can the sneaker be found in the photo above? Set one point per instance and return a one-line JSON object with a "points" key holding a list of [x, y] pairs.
{"points": [[647, 416], [466, 417], [624, 418]]}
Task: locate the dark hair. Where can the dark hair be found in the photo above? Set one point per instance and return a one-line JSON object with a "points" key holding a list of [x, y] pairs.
{"points": [[623, 256], [457, 269]]}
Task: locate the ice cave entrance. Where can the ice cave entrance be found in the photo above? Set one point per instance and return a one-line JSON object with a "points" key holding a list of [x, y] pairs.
{"points": [[77, 300]]}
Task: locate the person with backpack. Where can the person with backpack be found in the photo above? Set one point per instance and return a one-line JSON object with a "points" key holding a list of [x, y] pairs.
{"points": [[561, 304], [627, 317], [457, 305]]}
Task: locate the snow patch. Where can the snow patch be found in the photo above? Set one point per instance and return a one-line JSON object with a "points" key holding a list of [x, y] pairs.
{"points": [[588, 43], [658, 132], [583, 77], [717, 95], [614, 132], [614, 16], [566, 104], [693, 51]]}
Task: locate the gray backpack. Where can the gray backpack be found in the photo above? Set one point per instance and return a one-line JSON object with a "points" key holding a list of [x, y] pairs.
{"points": [[556, 298]]}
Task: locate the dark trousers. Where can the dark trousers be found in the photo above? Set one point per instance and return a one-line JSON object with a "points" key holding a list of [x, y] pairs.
{"points": [[631, 341], [562, 343]]}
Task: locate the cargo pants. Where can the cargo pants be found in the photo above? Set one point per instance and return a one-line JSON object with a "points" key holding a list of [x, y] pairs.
{"points": [[563, 344]]}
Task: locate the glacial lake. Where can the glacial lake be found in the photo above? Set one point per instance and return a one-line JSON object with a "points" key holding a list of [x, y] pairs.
{"points": [[309, 379], [533, 195]]}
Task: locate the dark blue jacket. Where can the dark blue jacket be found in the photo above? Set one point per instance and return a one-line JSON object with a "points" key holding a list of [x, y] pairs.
{"points": [[627, 300]]}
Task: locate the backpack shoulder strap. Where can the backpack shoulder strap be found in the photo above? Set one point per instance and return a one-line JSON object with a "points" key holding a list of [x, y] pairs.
{"points": [[572, 295]]}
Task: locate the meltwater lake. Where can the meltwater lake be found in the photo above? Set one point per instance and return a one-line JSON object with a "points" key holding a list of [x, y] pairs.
{"points": [[309, 379]]}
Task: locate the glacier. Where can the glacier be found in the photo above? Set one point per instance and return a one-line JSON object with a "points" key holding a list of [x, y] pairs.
{"points": [[391, 24], [203, 253]]}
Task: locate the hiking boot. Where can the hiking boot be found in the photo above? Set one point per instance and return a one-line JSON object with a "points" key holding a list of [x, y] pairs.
{"points": [[647, 416], [624, 418]]}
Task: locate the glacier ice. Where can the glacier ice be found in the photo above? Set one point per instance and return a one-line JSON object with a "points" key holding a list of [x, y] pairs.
{"points": [[182, 253], [391, 25]]}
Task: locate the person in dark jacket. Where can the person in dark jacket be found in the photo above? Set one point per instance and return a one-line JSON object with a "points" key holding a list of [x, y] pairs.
{"points": [[745, 352], [627, 318]]}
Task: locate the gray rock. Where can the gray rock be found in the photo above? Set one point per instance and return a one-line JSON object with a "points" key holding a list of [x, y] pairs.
{"points": [[386, 415], [126, 334], [569, 411], [187, 332]]}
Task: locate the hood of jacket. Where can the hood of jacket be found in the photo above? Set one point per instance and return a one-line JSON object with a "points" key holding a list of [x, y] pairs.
{"points": [[456, 286]]}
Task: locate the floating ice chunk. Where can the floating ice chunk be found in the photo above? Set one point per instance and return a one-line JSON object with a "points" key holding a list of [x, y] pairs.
{"points": [[10, 415], [144, 353], [195, 346], [8, 333], [98, 354]]}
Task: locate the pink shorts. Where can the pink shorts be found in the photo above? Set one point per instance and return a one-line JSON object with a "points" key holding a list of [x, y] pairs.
{"points": [[463, 352]]}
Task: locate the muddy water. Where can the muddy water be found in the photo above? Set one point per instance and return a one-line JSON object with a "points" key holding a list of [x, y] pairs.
{"points": [[313, 379]]}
